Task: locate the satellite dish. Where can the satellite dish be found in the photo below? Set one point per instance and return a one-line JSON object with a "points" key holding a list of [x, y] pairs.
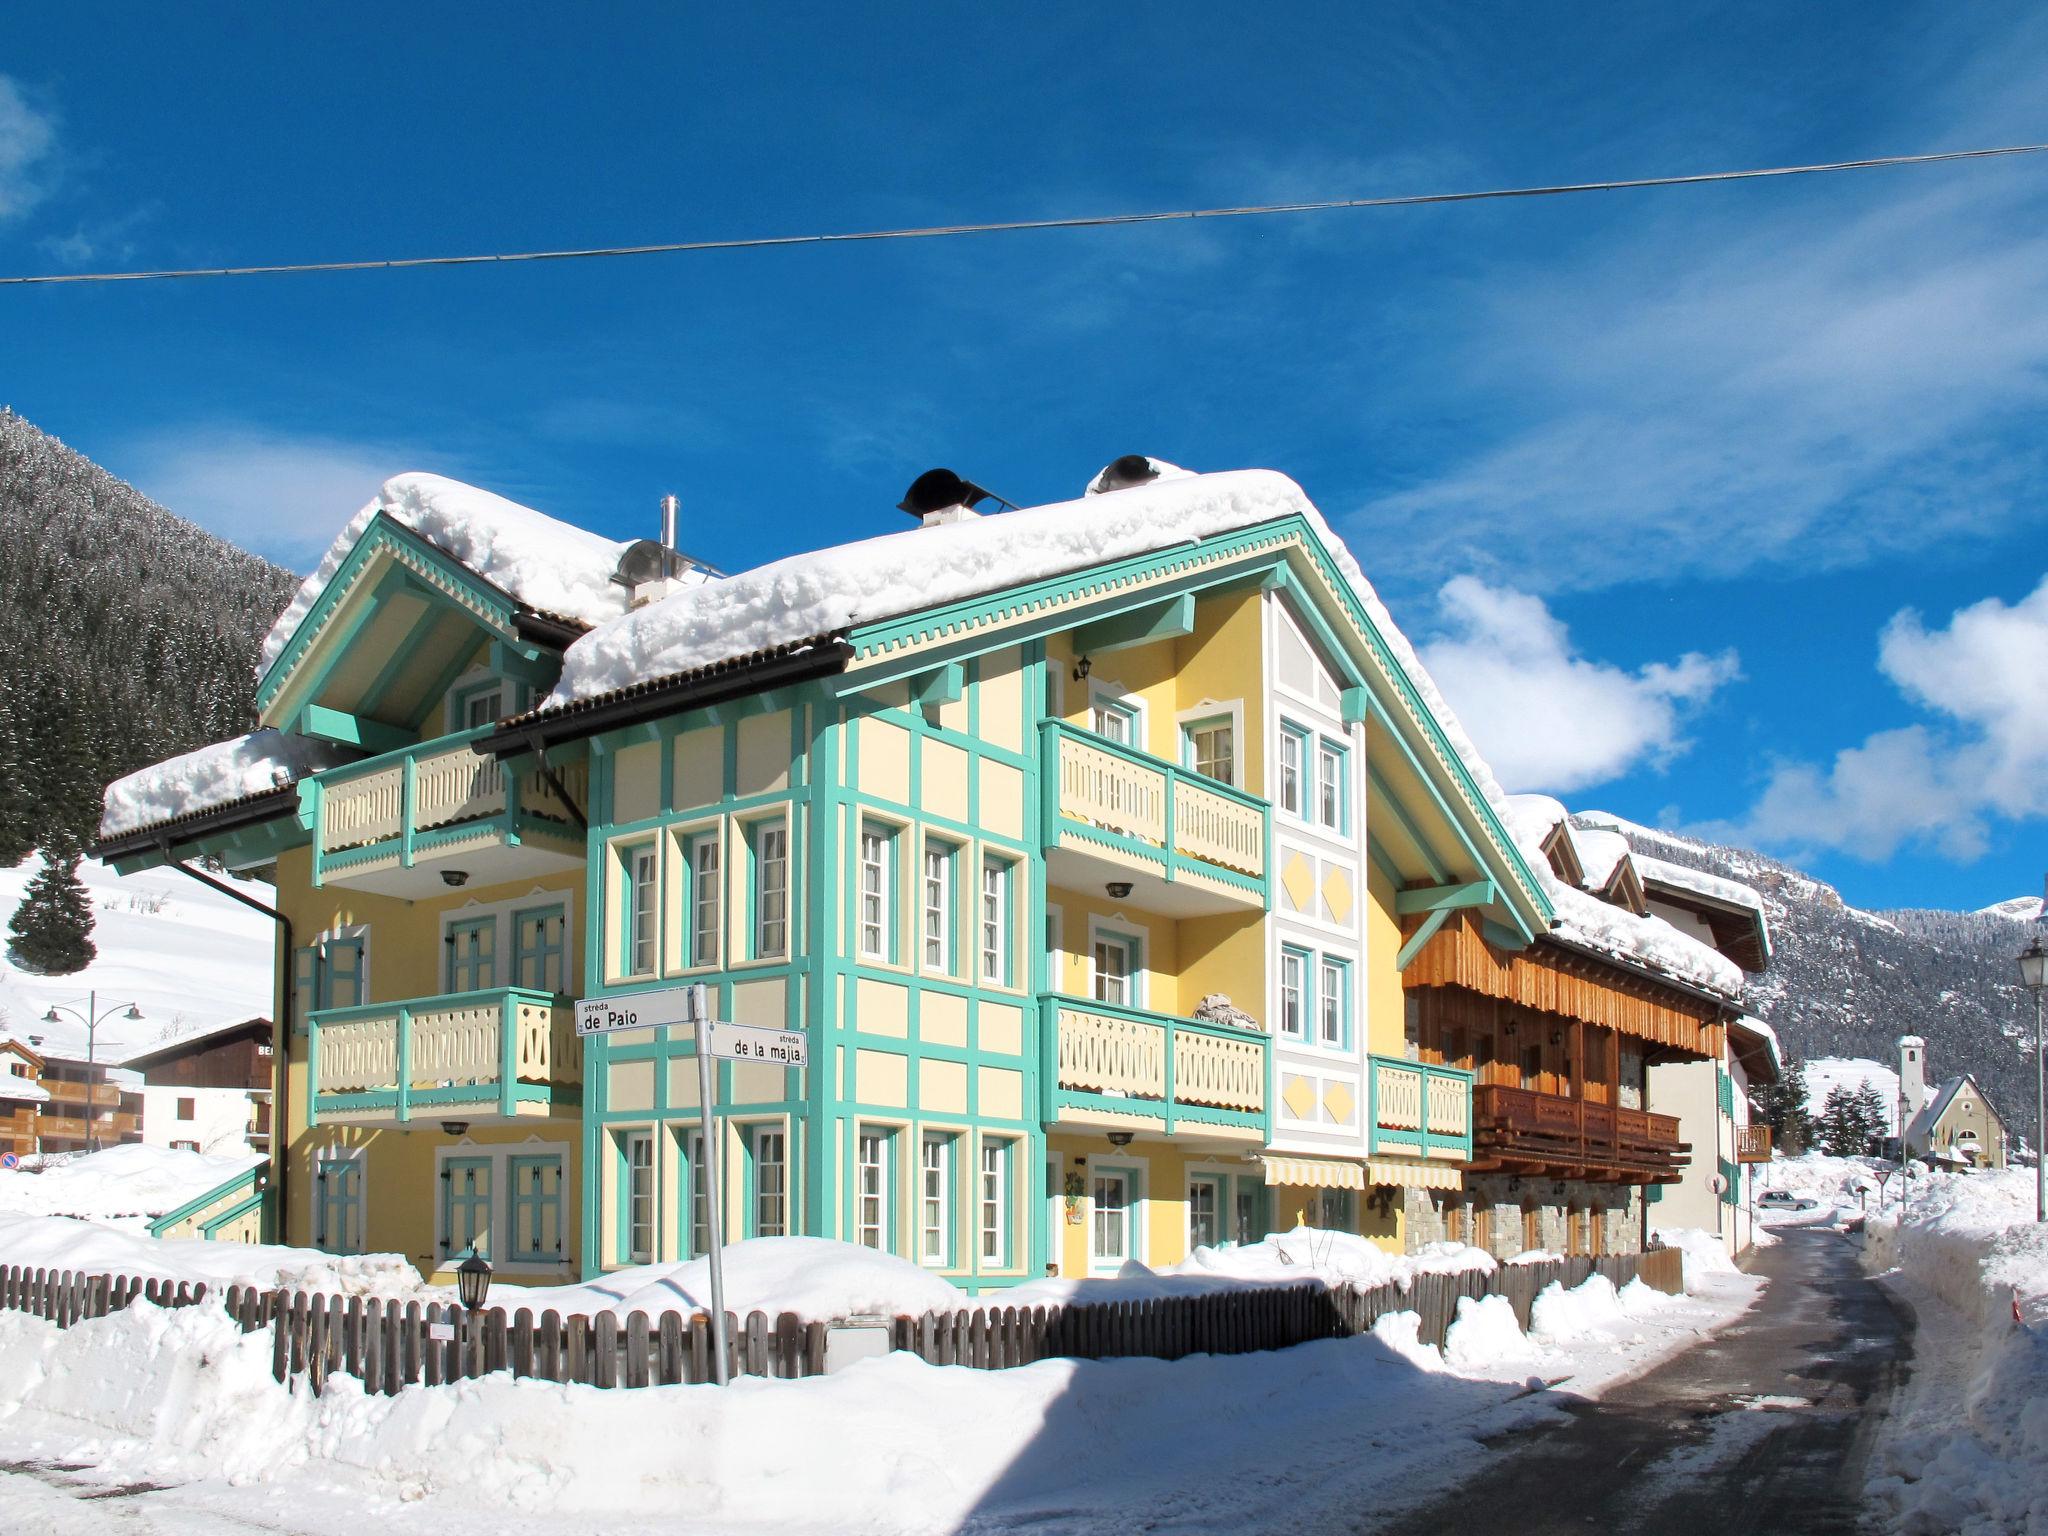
{"points": [[937, 489], [1718, 1184]]}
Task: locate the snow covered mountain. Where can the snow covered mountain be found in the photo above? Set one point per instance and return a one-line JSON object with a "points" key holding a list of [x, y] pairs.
{"points": [[2021, 909], [1845, 983]]}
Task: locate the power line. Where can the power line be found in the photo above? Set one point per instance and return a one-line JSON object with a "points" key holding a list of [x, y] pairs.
{"points": [[1014, 226]]}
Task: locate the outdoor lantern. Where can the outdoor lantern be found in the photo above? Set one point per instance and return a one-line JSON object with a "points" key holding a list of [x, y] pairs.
{"points": [[2034, 964], [473, 1281], [1119, 1139], [1118, 889]]}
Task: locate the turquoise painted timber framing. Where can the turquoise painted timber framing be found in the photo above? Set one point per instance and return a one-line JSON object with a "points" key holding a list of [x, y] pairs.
{"points": [[1420, 1141], [249, 1185]]}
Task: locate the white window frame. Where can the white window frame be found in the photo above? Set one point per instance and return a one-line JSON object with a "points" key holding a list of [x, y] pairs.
{"points": [[1296, 769], [1219, 1187], [935, 1207], [1303, 994], [992, 1201], [707, 893], [693, 1236], [755, 1134], [636, 908], [1133, 1175], [875, 911], [882, 1196], [771, 935], [1333, 788], [1211, 712], [1139, 941], [1335, 997], [1102, 693], [935, 905], [629, 1170], [993, 927]]}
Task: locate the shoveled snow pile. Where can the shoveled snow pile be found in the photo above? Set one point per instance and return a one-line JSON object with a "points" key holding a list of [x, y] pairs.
{"points": [[1562, 1316], [890, 1445], [64, 1242], [546, 564], [213, 775], [127, 1181], [1703, 1253], [1832, 1181], [817, 1278], [1971, 1450]]}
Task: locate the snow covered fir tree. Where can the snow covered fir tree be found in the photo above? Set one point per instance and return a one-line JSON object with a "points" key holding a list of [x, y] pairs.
{"points": [[51, 931]]}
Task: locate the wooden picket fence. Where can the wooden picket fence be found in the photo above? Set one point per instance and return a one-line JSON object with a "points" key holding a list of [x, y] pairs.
{"points": [[388, 1345]]}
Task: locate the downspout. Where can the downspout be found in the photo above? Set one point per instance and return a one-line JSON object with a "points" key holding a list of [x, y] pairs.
{"points": [[280, 1055], [547, 772]]}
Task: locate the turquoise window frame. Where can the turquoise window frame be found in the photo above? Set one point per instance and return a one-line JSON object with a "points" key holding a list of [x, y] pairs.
{"points": [[1133, 946], [459, 701], [623, 1143], [557, 949], [1341, 751], [755, 1135], [1005, 1149], [1130, 714], [534, 1209], [340, 1183], [1342, 966], [890, 915], [465, 1208], [758, 947], [628, 855], [474, 971], [949, 1199], [1188, 729], [1300, 738], [1310, 978], [305, 986], [1005, 925]]}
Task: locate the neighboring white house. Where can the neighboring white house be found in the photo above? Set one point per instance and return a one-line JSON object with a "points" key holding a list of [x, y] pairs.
{"points": [[1711, 1100], [208, 1091]]}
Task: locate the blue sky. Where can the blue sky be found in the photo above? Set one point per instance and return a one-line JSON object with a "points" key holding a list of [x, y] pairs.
{"points": [[1716, 507]]}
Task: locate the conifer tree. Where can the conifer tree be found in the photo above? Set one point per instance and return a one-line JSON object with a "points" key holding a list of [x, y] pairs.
{"points": [[1785, 1109], [51, 931]]}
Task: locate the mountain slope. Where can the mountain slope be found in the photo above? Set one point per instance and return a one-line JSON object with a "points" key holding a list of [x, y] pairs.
{"points": [[129, 634], [1847, 983]]}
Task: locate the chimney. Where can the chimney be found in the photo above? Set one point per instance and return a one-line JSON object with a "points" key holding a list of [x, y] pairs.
{"points": [[670, 509], [1912, 1078], [938, 497]]}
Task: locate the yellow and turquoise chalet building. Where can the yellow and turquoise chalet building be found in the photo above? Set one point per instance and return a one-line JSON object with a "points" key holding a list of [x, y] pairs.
{"points": [[1085, 843]]}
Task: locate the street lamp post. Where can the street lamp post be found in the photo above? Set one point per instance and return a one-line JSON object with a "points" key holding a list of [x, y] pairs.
{"points": [[92, 1019], [2034, 977]]}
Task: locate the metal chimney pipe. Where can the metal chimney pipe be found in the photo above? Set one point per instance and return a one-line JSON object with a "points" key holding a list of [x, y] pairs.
{"points": [[670, 508]]}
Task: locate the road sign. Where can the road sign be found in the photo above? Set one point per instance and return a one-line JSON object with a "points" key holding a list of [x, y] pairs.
{"points": [[752, 1042], [639, 1010], [10, 1161]]}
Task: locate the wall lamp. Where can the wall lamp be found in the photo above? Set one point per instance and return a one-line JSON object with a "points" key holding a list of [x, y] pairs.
{"points": [[1118, 889], [1082, 669]]}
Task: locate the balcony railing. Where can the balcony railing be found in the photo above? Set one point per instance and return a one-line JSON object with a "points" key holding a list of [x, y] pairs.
{"points": [[1166, 819], [1522, 1126], [409, 802], [1752, 1144], [508, 1051], [1102, 1056], [1421, 1110]]}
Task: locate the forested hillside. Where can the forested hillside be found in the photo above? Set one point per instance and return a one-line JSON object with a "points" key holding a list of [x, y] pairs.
{"points": [[128, 635], [1845, 982]]}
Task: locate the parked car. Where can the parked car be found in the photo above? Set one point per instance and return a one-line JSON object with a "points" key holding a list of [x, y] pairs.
{"points": [[1785, 1200]]}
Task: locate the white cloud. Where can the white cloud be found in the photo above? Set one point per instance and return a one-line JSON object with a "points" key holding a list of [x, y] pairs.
{"points": [[282, 496], [1987, 672], [28, 140], [1544, 717]]}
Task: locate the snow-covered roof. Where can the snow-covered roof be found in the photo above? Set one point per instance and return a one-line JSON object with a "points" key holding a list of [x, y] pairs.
{"points": [[212, 777], [1766, 1037], [1715, 887], [190, 1039], [21, 1090], [551, 566], [1600, 853]]}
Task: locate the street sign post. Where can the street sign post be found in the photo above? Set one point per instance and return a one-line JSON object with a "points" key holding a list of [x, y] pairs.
{"points": [[717, 1040]]}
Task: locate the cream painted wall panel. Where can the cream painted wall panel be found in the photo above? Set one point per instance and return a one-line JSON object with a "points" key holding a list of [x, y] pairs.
{"points": [[761, 1002], [631, 1090], [885, 760], [1002, 799], [944, 786], [882, 1077], [682, 1083], [756, 1082], [881, 1007], [764, 753], [1001, 700], [1002, 1029], [1002, 1092], [953, 714], [942, 1088], [942, 1019], [636, 782], [700, 768]]}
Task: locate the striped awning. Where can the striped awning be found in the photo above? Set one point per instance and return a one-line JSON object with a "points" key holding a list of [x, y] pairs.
{"points": [[1341, 1173]]}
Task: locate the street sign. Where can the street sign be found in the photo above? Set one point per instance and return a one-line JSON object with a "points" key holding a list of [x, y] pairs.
{"points": [[752, 1042], [639, 1010], [10, 1161]]}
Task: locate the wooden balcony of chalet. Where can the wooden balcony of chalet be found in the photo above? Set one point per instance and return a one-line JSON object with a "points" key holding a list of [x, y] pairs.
{"points": [[1523, 1131]]}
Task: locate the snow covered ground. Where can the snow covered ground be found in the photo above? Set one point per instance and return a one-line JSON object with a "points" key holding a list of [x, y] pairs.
{"points": [[1311, 1437], [1824, 1074], [186, 955], [123, 1186], [1967, 1450]]}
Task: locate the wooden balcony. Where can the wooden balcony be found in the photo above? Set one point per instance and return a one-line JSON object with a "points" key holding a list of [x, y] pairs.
{"points": [[1752, 1144], [1420, 1110], [503, 1053], [1106, 1064], [1188, 845], [391, 824], [1542, 1133]]}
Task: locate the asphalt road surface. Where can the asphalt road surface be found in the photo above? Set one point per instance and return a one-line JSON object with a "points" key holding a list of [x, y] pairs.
{"points": [[1766, 1427]]}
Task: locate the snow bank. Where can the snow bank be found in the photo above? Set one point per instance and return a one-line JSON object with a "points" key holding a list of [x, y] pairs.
{"points": [[126, 1181], [1487, 1335], [1702, 1252], [817, 1278], [1973, 1459], [546, 564], [213, 775], [64, 1242]]}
